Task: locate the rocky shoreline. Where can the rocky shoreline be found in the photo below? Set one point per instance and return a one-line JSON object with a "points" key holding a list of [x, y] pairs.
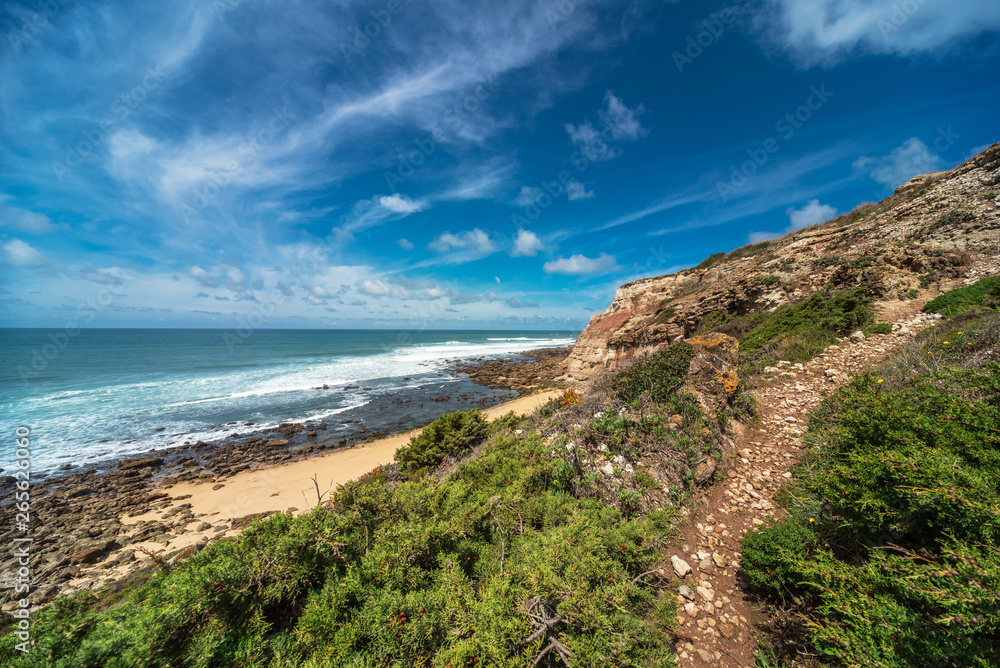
{"points": [[528, 372], [81, 542]]}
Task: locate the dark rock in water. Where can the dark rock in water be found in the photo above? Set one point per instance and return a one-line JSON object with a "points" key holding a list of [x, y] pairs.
{"points": [[326, 387], [81, 490], [139, 463], [7, 480], [158, 429]]}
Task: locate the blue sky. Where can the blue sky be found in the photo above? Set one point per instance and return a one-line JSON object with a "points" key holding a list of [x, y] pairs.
{"points": [[449, 164]]}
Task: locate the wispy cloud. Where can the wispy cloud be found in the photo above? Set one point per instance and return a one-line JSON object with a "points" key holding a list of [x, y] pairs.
{"points": [[577, 265], [827, 31], [619, 122], [910, 159]]}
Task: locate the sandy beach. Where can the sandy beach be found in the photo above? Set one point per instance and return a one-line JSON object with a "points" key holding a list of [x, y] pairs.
{"points": [[288, 486]]}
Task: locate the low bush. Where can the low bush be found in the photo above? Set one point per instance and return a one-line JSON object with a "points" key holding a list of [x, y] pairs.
{"points": [[659, 374], [985, 292], [714, 319], [710, 260], [797, 332], [447, 436]]}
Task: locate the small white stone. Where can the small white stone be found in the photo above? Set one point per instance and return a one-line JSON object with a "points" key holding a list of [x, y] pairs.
{"points": [[681, 567]]}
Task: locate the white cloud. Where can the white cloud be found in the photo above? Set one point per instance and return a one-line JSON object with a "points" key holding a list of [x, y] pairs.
{"points": [[810, 214], [976, 150], [25, 221], [826, 31], [514, 302], [526, 243], [368, 213], [588, 140], [910, 159], [576, 190], [405, 244], [527, 195], [21, 254], [400, 204], [374, 288], [203, 277], [620, 120], [474, 240], [581, 264]]}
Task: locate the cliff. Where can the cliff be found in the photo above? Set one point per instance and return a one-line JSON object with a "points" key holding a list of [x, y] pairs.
{"points": [[935, 226]]}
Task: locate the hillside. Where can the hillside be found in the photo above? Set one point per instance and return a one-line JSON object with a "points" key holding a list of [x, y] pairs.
{"points": [[944, 225]]}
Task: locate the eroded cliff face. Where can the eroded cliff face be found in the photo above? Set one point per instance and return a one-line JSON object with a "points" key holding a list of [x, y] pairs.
{"points": [[934, 226]]}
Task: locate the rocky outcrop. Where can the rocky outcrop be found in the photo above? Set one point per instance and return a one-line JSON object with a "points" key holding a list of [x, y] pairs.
{"points": [[936, 226], [712, 375]]}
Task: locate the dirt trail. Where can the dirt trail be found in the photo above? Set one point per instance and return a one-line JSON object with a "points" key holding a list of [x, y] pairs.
{"points": [[717, 622]]}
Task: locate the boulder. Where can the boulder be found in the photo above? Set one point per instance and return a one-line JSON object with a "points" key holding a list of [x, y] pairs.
{"points": [[139, 463], [712, 377]]}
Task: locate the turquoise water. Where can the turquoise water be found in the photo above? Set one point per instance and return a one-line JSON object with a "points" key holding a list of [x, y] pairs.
{"points": [[107, 393]]}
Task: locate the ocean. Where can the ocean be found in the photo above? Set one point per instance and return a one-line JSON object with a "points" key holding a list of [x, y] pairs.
{"points": [[106, 394]]}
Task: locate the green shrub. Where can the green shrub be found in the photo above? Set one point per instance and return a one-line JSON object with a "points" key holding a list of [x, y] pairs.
{"points": [[881, 328], [985, 292], [710, 260], [750, 249], [449, 435], [768, 280], [745, 407], [659, 374], [863, 262], [714, 319], [770, 556], [796, 332], [663, 316]]}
